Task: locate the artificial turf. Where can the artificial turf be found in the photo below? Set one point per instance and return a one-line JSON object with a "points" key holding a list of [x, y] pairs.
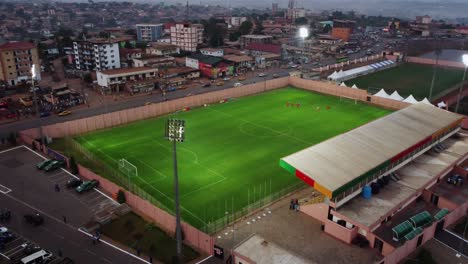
{"points": [[410, 78], [231, 151]]}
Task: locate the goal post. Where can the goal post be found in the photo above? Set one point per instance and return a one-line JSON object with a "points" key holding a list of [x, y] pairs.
{"points": [[128, 168], [349, 99]]}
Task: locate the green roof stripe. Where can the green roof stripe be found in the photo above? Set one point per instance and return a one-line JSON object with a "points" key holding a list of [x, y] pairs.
{"points": [[422, 219], [402, 229], [283, 164], [441, 214], [413, 233]]}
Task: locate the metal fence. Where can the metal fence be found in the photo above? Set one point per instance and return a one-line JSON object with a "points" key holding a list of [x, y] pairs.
{"points": [[110, 172]]}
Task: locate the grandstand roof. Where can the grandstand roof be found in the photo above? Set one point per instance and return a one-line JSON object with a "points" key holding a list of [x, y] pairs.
{"points": [[333, 165]]}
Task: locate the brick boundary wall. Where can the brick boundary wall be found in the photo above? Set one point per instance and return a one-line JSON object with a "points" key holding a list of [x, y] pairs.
{"points": [[443, 63], [193, 236]]}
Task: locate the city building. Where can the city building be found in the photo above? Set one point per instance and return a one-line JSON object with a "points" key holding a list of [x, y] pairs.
{"points": [[255, 49], [245, 40], [209, 66], [212, 52], [274, 8], [149, 32], [154, 61], [96, 54], [181, 72], [242, 63], [16, 60], [342, 29], [423, 19], [116, 80], [187, 36], [392, 186], [293, 12], [162, 49]]}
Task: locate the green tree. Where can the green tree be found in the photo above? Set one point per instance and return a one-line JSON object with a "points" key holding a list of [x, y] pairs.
{"points": [[12, 138], [234, 36], [73, 166], [327, 29], [88, 78], [245, 27]]}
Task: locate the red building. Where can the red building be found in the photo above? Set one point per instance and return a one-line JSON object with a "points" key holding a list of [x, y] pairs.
{"points": [[342, 29]]}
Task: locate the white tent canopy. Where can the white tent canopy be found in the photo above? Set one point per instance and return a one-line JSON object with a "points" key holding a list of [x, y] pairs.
{"points": [[410, 99], [441, 104], [343, 84], [425, 101], [396, 96], [354, 86], [382, 94], [364, 70], [333, 75]]}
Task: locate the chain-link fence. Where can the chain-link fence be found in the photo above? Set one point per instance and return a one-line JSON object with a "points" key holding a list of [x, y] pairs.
{"points": [[110, 172]]}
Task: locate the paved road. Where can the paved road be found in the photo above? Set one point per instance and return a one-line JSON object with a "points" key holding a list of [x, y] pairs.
{"points": [[454, 241], [24, 190], [130, 103]]}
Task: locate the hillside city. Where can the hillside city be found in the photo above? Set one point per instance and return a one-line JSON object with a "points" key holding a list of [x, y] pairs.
{"points": [[365, 115]]}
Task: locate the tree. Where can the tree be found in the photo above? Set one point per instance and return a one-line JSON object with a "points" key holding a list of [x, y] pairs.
{"points": [[131, 31], [234, 36], [301, 21], [327, 29], [33, 146], [245, 27], [121, 197], [73, 166], [12, 138], [128, 45], [258, 27], [104, 34]]}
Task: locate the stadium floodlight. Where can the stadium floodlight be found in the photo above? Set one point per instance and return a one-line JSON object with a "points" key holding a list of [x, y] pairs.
{"points": [[33, 71], [465, 61], [303, 32], [36, 105], [175, 132]]}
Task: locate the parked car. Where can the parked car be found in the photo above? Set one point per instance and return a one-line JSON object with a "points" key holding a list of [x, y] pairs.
{"points": [[3, 230], [226, 79], [44, 114], [275, 75], [86, 186], [29, 248], [207, 85], [34, 219], [53, 165], [41, 165], [6, 237], [73, 183], [219, 83], [237, 84], [262, 74], [241, 78], [11, 115], [65, 113]]}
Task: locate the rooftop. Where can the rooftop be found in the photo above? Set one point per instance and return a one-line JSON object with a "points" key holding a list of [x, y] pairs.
{"points": [[17, 45], [237, 58], [261, 251], [180, 70], [206, 59], [413, 177], [256, 36], [128, 70], [271, 48], [342, 160]]}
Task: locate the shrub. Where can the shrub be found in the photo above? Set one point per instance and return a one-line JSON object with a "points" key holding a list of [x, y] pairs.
{"points": [[73, 166], [121, 197], [34, 147], [12, 138]]}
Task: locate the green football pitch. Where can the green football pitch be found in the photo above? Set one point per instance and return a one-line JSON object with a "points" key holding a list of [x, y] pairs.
{"points": [[230, 157], [410, 78]]}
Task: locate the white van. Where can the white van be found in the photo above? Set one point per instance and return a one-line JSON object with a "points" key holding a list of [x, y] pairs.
{"points": [[39, 257]]}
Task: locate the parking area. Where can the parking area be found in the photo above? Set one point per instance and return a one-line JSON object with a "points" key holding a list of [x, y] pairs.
{"points": [[26, 190]]}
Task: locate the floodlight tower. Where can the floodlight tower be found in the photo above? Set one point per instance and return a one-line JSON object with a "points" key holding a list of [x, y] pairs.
{"points": [[465, 61], [175, 132], [36, 106]]}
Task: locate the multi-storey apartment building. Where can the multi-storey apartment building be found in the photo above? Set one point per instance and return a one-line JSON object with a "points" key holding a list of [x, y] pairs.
{"points": [[16, 59], [187, 36], [149, 32], [96, 54]]}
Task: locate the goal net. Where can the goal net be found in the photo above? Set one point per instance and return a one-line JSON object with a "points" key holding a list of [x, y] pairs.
{"points": [[348, 99], [128, 168]]}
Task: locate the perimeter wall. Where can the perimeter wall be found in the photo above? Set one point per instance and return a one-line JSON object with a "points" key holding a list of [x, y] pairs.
{"points": [[193, 237]]}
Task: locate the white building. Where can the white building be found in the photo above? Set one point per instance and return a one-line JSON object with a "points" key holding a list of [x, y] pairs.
{"points": [[96, 54], [149, 32], [187, 36], [212, 52], [108, 78]]}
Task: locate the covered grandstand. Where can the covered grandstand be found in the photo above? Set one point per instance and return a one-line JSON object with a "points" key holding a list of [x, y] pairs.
{"points": [[342, 165], [402, 161], [342, 76]]}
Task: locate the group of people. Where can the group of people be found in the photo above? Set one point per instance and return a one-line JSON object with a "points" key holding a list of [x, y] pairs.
{"points": [[294, 205], [288, 104]]}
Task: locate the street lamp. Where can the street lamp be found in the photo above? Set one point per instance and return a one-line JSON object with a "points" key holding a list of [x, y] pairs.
{"points": [[465, 61], [36, 106], [175, 132]]}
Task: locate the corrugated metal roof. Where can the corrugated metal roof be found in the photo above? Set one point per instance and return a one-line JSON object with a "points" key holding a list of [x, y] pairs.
{"points": [[344, 158]]}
